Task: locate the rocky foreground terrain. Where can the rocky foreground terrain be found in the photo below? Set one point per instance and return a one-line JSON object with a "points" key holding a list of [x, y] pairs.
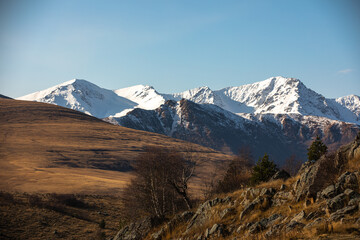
{"points": [[321, 202]]}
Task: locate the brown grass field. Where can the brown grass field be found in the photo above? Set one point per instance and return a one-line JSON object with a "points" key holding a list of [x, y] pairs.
{"points": [[46, 148]]}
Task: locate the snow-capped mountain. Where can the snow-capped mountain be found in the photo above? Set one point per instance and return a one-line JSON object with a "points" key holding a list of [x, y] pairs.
{"points": [[279, 135], [145, 96], [351, 102], [276, 95], [279, 116], [83, 96]]}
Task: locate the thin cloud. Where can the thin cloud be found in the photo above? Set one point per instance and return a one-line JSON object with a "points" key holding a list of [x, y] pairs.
{"points": [[345, 71]]}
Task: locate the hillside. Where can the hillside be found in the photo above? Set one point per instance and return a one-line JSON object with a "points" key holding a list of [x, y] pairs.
{"points": [[321, 202], [47, 148]]}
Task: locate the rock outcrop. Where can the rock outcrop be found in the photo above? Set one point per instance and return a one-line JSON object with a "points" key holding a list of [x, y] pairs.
{"points": [[318, 198]]}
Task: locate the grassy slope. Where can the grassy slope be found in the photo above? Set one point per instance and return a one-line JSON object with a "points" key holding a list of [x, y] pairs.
{"points": [[47, 148], [21, 218]]}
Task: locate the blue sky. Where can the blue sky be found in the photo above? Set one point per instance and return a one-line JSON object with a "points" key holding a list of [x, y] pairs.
{"points": [[178, 45]]}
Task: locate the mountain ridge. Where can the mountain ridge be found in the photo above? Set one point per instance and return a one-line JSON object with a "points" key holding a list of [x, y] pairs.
{"points": [[277, 95]]}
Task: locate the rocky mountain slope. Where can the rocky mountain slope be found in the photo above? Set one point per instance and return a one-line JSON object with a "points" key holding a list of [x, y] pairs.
{"points": [[321, 202], [279, 116], [279, 135]]}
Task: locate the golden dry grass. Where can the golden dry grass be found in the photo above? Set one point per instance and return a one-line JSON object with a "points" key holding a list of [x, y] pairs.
{"points": [[47, 148], [21, 220]]}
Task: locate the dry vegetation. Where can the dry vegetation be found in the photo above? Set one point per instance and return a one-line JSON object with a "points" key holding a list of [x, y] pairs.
{"points": [[343, 229], [58, 216], [47, 148]]}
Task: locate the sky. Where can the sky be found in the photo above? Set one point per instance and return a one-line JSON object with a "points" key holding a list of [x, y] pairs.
{"points": [[175, 45]]}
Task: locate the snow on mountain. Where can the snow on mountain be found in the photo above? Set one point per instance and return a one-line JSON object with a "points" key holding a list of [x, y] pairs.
{"points": [[83, 96], [145, 96], [351, 102], [276, 95], [280, 135]]}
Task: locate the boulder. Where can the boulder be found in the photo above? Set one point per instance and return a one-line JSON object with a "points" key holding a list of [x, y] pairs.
{"points": [[314, 176], [328, 192], [348, 180], [336, 203]]}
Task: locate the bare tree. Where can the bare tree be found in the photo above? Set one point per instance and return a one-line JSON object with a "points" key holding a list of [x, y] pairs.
{"points": [[160, 186]]}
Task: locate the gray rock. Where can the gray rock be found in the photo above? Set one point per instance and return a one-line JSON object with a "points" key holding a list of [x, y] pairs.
{"points": [[298, 217], [207, 233], [282, 197], [248, 208], [137, 230], [314, 176], [351, 194], [342, 212], [214, 228], [328, 192], [336, 203], [217, 228], [347, 180], [201, 214]]}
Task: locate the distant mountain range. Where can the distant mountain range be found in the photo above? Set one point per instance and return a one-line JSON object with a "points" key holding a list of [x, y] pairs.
{"points": [[279, 116]]}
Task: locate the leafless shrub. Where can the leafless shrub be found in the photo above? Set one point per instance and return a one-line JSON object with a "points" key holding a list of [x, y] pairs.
{"points": [[160, 184]]}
